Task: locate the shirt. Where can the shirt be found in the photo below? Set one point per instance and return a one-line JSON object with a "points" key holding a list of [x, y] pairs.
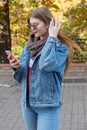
{"points": [[28, 75]]}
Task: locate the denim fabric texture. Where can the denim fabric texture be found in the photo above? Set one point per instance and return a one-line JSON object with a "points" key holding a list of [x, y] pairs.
{"points": [[46, 75], [41, 118]]}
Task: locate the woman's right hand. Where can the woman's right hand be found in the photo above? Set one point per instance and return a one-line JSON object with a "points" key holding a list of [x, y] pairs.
{"points": [[15, 63], [54, 28]]}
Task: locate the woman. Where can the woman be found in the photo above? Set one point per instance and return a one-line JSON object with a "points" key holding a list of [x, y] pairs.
{"points": [[43, 62]]}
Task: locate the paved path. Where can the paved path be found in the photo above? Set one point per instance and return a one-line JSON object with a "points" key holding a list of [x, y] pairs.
{"points": [[73, 110]]}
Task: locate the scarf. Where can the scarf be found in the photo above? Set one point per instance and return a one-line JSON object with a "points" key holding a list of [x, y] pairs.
{"points": [[35, 45]]}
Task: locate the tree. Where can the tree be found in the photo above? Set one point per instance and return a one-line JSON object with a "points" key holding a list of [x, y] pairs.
{"points": [[5, 39], [76, 19]]}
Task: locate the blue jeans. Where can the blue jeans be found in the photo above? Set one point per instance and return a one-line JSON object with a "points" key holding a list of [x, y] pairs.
{"points": [[41, 118]]}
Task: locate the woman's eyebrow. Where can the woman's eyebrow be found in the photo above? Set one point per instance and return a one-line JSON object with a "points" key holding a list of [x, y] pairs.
{"points": [[34, 23]]}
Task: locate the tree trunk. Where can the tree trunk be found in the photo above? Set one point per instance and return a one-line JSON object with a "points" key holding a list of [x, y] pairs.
{"points": [[5, 37]]}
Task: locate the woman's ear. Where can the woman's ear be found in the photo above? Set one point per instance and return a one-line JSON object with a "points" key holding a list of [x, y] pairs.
{"points": [[47, 26]]}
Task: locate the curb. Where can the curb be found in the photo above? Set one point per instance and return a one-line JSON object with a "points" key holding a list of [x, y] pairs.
{"points": [[75, 80]]}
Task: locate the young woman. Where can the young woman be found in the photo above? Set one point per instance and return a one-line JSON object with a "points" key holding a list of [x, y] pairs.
{"points": [[43, 62]]}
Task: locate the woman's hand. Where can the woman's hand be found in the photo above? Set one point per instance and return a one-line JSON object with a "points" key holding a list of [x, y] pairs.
{"points": [[15, 63], [54, 28]]}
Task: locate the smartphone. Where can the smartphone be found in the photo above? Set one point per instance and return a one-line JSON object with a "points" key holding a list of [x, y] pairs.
{"points": [[10, 54]]}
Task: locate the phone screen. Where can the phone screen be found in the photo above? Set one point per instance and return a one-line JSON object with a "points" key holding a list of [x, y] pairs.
{"points": [[10, 54]]}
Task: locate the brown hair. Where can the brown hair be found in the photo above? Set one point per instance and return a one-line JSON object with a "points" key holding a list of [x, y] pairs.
{"points": [[44, 14]]}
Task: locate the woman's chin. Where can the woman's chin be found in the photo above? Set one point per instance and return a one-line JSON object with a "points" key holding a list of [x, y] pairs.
{"points": [[36, 35]]}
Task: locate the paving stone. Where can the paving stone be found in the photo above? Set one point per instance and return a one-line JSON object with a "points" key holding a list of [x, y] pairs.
{"points": [[73, 110]]}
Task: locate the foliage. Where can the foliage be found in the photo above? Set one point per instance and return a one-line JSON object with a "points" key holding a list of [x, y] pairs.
{"points": [[80, 57], [74, 18]]}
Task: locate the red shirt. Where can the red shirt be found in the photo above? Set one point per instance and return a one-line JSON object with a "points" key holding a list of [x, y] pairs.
{"points": [[28, 76]]}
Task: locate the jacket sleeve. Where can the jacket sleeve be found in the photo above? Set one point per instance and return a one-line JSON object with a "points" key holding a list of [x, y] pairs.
{"points": [[18, 73], [53, 56]]}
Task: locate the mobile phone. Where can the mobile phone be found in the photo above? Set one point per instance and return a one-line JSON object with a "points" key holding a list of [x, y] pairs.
{"points": [[10, 54]]}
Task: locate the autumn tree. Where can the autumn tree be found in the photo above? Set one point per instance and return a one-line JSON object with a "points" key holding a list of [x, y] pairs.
{"points": [[5, 39], [74, 18]]}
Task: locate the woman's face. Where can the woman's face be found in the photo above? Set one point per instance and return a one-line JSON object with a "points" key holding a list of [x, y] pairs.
{"points": [[38, 27]]}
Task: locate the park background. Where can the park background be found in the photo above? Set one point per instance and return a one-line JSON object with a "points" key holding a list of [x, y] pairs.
{"points": [[14, 30]]}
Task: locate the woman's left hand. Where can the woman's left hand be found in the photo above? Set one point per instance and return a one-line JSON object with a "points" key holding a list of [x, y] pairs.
{"points": [[54, 28]]}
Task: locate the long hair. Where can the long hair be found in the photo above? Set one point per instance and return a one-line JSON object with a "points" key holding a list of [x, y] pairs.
{"points": [[45, 15]]}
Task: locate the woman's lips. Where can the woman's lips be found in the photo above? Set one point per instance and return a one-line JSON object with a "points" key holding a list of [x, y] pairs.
{"points": [[34, 32]]}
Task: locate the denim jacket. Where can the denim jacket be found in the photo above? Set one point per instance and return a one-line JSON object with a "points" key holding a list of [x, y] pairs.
{"points": [[46, 75]]}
